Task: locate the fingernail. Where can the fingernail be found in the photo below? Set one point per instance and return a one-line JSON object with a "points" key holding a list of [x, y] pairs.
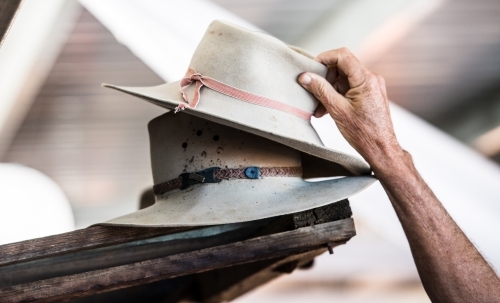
{"points": [[305, 79]]}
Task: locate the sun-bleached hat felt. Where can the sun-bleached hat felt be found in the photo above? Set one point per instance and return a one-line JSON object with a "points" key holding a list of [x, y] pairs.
{"points": [[244, 177], [248, 80]]}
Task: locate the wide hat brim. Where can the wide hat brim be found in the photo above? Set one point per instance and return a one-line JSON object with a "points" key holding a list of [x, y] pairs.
{"points": [[269, 123], [241, 201]]}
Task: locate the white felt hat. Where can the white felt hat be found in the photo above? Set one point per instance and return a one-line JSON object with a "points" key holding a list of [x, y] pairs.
{"points": [[248, 80], [184, 144]]}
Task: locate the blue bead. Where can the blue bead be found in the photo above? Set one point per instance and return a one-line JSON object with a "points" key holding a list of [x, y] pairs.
{"points": [[252, 172]]}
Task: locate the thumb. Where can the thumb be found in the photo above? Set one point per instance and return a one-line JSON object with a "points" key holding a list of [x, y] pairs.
{"points": [[324, 92]]}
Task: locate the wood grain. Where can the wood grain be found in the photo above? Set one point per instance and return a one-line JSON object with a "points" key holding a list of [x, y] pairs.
{"points": [[102, 235], [92, 237], [95, 258], [260, 248]]}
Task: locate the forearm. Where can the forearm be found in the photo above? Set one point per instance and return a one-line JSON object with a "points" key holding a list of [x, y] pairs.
{"points": [[450, 267]]}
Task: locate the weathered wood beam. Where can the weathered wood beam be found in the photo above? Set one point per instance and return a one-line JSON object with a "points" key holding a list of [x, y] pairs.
{"points": [[271, 246], [219, 285], [91, 237], [56, 265], [102, 235]]}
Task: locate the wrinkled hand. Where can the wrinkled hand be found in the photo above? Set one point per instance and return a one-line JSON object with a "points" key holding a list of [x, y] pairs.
{"points": [[357, 100]]}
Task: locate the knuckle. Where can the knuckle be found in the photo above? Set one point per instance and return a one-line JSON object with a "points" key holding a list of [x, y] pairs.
{"points": [[370, 84], [344, 50], [346, 53], [371, 80]]}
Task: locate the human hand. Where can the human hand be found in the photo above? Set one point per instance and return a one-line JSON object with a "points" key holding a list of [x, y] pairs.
{"points": [[357, 100]]}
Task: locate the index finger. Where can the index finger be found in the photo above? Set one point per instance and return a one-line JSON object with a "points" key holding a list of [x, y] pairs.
{"points": [[345, 61]]}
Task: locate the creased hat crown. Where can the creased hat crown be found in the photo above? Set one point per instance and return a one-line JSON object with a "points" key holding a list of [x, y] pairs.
{"points": [[255, 62]]}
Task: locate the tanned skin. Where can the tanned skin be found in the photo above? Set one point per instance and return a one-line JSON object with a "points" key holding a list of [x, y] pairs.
{"points": [[450, 267]]}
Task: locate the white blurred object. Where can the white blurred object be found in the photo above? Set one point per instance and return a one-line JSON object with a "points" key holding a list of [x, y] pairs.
{"points": [[368, 28], [26, 57], [163, 34], [31, 205]]}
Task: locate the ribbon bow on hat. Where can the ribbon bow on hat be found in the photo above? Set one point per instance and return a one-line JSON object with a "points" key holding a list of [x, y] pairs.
{"points": [[193, 76]]}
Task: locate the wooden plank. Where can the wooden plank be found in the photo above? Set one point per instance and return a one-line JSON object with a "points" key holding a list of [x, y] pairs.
{"points": [[102, 235], [224, 284], [8, 11], [180, 289], [255, 249], [60, 261], [92, 237], [219, 285], [56, 265]]}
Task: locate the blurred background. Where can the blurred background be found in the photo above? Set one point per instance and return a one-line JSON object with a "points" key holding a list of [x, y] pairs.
{"points": [[74, 154]]}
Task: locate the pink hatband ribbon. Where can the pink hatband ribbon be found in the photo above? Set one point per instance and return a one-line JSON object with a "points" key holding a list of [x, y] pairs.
{"points": [[193, 76]]}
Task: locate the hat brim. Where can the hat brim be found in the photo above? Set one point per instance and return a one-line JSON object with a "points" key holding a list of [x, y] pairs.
{"points": [[242, 200], [269, 123]]}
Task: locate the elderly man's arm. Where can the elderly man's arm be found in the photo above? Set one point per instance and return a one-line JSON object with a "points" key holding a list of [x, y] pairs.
{"points": [[450, 267]]}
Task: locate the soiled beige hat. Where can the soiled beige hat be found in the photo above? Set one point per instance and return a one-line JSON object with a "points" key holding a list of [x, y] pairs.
{"points": [[206, 173], [248, 80]]}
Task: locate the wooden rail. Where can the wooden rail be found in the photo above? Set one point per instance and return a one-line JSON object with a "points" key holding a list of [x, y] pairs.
{"points": [[213, 264]]}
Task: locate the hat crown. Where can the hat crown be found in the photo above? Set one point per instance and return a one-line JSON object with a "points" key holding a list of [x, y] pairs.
{"points": [[184, 143], [255, 62]]}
